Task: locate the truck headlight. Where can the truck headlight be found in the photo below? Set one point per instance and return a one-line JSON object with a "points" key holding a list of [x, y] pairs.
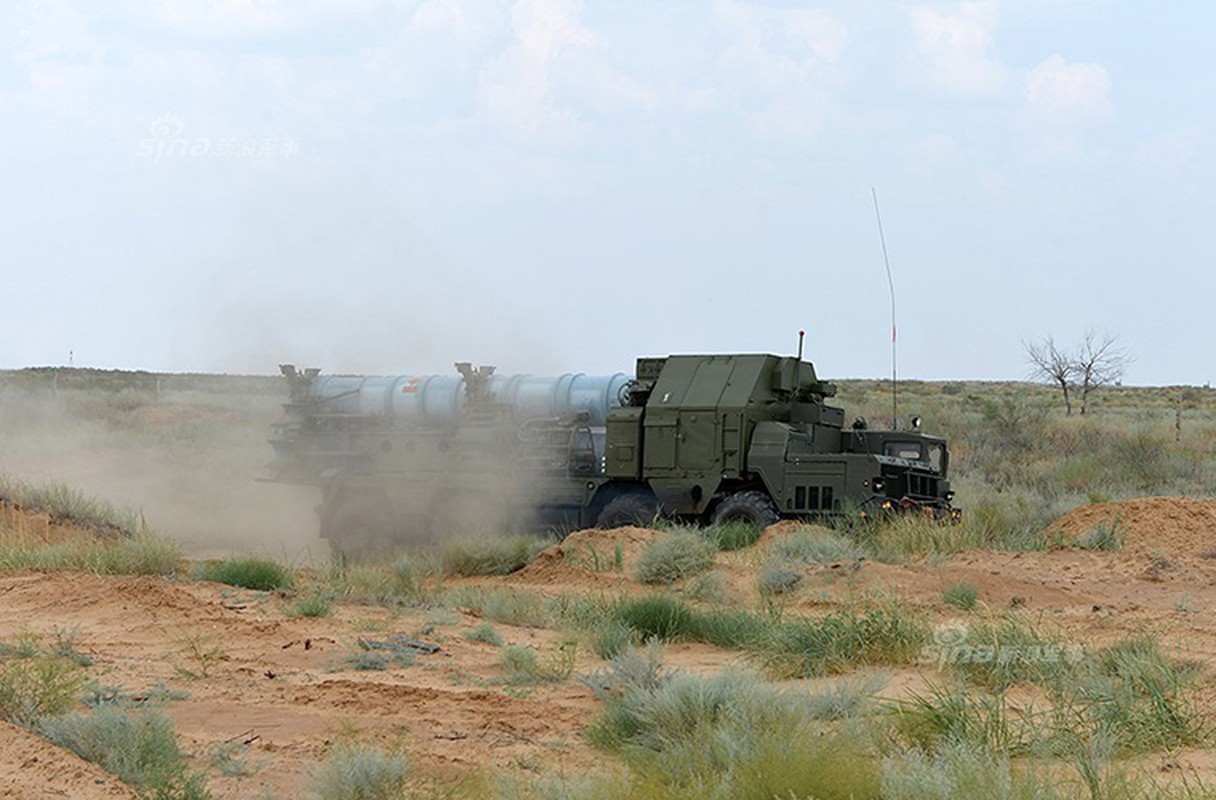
{"points": [[949, 497], [877, 484]]}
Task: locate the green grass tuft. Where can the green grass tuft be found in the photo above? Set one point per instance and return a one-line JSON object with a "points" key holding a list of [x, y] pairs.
{"points": [[247, 572], [961, 595], [733, 535], [316, 604]]}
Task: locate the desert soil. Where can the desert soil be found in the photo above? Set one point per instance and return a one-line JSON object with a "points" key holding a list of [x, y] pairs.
{"points": [[285, 687]]}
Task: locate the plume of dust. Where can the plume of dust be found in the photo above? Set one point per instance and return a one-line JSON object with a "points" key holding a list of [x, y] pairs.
{"points": [[188, 460]]}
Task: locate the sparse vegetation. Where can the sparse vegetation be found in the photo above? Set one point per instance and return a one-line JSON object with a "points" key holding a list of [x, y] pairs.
{"points": [[813, 546], [485, 634], [259, 574], [674, 556], [68, 504], [143, 554], [883, 631], [314, 604], [34, 685], [961, 595], [734, 535], [1103, 536], [138, 746], [522, 665], [490, 555], [1016, 708], [361, 772]]}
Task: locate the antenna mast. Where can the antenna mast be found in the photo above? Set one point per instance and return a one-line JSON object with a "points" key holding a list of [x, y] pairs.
{"points": [[891, 287]]}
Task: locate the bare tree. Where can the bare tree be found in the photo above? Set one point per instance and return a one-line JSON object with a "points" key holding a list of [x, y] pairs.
{"points": [[1100, 361], [1051, 364]]}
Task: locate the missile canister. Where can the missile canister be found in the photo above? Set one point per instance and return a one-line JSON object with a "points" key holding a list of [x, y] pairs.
{"points": [[439, 399]]}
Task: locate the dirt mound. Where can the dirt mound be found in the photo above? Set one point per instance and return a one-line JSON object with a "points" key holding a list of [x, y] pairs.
{"points": [[1176, 526], [588, 556], [20, 525], [30, 767]]}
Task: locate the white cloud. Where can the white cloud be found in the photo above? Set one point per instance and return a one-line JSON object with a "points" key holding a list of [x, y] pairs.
{"points": [[1069, 92], [515, 90], [782, 64], [953, 49], [1173, 150]]}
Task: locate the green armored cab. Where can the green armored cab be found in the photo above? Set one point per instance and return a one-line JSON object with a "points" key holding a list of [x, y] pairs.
{"points": [[700, 438], [749, 437]]}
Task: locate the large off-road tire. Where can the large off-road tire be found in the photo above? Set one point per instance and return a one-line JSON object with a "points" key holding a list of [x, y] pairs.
{"points": [[638, 509], [750, 507], [359, 530]]}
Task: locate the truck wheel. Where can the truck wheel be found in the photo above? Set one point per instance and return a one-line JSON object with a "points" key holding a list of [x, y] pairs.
{"points": [[753, 508], [636, 509], [359, 532]]}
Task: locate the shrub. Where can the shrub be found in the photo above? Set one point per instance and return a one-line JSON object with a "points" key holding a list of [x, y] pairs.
{"points": [[945, 716], [674, 556], [508, 606], [522, 665], [814, 546], [485, 634], [657, 616], [35, 686], [963, 770], [317, 604], [403, 583], [733, 535], [961, 595], [885, 633], [361, 772], [490, 555], [998, 653], [246, 572], [708, 587], [777, 579], [730, 735], [611, 637], [139, 747]]}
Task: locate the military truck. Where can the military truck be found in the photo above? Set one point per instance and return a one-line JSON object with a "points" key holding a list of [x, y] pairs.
{"points": [[697, 438]]}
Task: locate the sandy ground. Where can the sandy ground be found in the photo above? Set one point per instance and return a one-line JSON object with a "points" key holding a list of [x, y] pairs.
{"points": [[285, 688]]}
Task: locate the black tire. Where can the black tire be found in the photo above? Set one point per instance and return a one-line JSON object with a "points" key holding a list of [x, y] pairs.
{"points": [[359, 531], [751, 507], [635, 509]]}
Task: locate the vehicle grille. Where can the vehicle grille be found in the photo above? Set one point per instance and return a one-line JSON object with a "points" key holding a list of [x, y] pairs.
{"points": [[922, 485]]}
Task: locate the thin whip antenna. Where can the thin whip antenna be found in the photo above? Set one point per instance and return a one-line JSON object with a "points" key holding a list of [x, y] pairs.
{"points": [[891, 287]]}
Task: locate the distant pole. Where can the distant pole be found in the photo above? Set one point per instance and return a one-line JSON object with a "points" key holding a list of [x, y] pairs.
{"points": [[891, 288], [801, 336]]}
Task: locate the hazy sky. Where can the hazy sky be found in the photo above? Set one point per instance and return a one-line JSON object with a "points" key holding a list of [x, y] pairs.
{"points": [[550, 185]]}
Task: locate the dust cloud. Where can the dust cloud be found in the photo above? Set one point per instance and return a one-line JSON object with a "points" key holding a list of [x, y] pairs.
{"points": [[187, 456]]}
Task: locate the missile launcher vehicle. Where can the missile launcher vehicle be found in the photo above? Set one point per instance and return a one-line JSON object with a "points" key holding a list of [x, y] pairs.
{"points": [[696, 438]]}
